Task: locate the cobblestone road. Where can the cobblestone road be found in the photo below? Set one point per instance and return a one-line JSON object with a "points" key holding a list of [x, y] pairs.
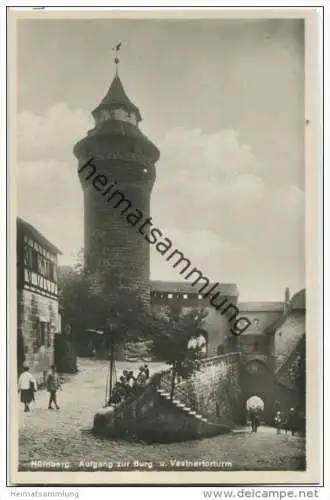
{"points": [[65, 435]]}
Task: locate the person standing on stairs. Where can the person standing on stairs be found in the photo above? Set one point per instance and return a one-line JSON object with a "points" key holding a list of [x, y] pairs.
{"points": [[142, 377], [147, 371], [131, 381]]}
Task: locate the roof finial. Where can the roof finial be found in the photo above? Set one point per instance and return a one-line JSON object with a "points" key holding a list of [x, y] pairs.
{"points": [[116, 59]]}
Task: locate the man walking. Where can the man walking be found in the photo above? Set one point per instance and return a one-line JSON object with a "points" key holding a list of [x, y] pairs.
{"points": [[53, 384]]}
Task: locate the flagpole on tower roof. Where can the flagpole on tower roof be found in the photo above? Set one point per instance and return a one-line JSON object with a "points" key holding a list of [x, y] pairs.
{"points": [[116, 48]]}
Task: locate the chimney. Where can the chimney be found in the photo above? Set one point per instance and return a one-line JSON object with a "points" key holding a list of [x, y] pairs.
{"points": [[286, 300]]}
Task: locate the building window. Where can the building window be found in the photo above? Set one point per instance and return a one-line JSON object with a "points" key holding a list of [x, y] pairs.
{"points": [[28, 257], [44, 267], [200, 297], [185, 296], [34, 260], [37, 343], [42, 338], [53, 275], [256, 346], [35, 347], [170, 296], [44, 333]]}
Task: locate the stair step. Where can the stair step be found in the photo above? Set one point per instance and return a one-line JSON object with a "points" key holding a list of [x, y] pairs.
{"points": [[165, 394]]}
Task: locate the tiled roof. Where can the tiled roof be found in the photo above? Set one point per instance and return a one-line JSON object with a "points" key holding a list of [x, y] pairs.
{"points": [[227, 289], [282, 373], [36, 235], [298, 301], [116, 97], [293, 329]]}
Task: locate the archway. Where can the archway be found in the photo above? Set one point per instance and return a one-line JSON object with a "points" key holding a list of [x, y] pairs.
{"points": [[254, 407], [257, 379], [255, 403], [199, 341]]}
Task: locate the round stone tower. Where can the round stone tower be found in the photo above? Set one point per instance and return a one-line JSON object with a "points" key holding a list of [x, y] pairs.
{"points": [[117, 172]]}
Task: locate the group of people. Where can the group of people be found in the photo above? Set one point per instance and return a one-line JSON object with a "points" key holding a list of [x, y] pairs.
{"points": [[129, 384], [27, 387], [287, 422]]}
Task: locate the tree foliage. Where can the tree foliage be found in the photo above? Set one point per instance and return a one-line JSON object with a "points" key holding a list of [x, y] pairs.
{"points": [[73, 301], [104, 303], [171, 332], [116, 309]]}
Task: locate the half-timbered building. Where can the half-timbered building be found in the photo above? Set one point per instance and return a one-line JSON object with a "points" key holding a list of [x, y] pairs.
{"points": [[38, 317]]}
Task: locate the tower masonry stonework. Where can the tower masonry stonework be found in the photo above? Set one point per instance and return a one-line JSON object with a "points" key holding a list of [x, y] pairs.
{"points": [[124, 160]]}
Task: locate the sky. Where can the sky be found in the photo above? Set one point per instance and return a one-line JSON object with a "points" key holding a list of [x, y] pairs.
{"points": [[223, 100]]}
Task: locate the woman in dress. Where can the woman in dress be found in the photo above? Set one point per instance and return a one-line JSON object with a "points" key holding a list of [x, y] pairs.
{"points": [[26, 387]]}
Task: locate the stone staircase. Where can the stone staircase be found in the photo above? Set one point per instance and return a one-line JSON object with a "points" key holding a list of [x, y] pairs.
{"points": [[206, 426], [182, 406], [151, 415]]}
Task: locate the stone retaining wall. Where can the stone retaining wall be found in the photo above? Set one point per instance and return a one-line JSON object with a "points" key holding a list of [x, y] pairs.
{"points": [[212, 392]]}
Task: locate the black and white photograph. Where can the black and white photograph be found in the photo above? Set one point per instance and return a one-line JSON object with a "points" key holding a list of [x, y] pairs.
{"points": [[160, 231]]}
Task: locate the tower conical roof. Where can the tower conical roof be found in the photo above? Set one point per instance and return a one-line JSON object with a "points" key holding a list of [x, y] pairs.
{"points": [[117, 97]]}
